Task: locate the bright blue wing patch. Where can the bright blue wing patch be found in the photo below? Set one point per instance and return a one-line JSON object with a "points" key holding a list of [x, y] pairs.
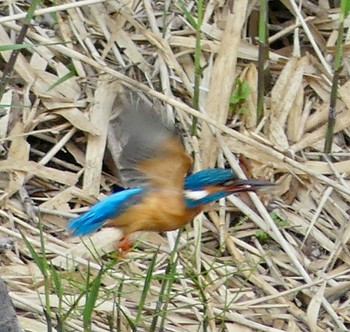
{"points": [[207, 177], [110, 207]]}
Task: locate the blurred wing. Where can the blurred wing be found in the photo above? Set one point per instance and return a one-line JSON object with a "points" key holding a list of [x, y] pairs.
{"points": [[153, 153], [110, 207], [170, 167]]}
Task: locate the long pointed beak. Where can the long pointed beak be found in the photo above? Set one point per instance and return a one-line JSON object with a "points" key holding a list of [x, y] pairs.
{"points": [[240, 185]]}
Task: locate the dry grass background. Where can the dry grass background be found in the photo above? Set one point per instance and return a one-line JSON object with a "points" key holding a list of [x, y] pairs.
{"points": [[285, 269]]}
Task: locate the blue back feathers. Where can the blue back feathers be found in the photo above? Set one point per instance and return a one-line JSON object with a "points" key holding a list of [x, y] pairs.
{"points": [[208, 177], [110, 207]]}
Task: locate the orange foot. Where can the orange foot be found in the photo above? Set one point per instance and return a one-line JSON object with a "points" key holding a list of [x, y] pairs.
{"points": [[124, 246]]}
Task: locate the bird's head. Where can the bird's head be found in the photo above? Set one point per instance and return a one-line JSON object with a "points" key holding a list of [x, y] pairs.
{"points": [[212, 184]]}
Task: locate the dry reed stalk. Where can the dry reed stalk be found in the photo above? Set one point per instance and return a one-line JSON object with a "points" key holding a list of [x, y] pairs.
{"points": [[283, 268]]}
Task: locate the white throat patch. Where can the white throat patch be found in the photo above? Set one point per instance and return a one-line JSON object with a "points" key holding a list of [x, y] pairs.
{"points": [[196, 194]]}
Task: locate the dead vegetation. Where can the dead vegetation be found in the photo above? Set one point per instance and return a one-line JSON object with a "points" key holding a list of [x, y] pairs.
{"points": [[281, 269]]}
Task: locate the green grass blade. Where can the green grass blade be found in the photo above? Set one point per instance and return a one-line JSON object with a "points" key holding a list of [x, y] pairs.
{"points": [[167, 282], [41, 262], [13, 47], [345, 7], [30, 12], [64, 78], [188, 15], [132, 326], [91, 299], [9, 68], [73, 306], [263, 61], [197, 64], [37, 259], [344, 10], [57, 287], [146, 287], [171, 278]]}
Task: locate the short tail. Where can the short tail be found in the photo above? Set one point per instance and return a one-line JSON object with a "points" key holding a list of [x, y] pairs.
{"points": [[110, 207], [85, 224]]}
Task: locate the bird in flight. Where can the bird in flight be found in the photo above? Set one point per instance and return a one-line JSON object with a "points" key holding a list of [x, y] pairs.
{"points": [[160, 195]]}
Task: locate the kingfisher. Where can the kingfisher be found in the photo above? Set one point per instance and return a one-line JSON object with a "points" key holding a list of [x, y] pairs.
{"points": [[161, 194]]}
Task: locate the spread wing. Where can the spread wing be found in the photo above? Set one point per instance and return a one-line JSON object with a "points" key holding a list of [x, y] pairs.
{"points": [[169, 168], [151, 157], [153, 154]]}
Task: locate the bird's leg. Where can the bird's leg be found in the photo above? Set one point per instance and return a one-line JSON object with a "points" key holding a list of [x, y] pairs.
{"points": [[124, 245]]}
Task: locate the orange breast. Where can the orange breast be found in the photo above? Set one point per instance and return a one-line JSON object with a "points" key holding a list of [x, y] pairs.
{"points": [[159, 211]]}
